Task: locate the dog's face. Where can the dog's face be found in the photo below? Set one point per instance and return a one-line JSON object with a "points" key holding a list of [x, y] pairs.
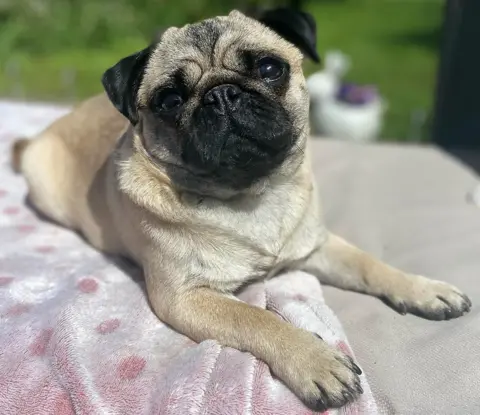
{"points": [[222, 103]]}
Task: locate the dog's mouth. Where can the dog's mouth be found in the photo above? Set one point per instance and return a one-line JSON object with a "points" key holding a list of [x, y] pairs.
{"points": [[241, 146], [235, 158]]}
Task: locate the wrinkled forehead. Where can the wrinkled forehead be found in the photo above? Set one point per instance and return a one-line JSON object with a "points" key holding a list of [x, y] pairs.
{"points": [[216, 42]]}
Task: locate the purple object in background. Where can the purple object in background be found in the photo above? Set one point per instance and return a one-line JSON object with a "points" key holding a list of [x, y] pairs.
{"points": [[357, 94]]}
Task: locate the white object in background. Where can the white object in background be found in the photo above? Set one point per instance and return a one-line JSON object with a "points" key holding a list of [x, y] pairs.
{"points": [[325, 84], [334, 118]]}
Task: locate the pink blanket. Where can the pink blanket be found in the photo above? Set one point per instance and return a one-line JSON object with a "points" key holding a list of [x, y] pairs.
{"points": [[77, 335]]}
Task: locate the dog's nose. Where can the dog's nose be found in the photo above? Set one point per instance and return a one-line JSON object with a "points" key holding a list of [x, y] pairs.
{"points": [[223, 98]]}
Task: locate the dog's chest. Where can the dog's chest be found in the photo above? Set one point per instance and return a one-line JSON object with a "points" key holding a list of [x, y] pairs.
{"points": [[264, 222], [232, 244]]}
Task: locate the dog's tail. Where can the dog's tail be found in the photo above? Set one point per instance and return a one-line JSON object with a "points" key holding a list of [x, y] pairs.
{"points": [[17, 152]]}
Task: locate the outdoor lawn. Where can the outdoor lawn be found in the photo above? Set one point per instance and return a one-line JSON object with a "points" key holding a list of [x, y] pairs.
{"points": [[58, 49]]}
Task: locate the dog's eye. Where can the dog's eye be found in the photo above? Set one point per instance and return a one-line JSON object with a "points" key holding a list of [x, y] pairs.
{"points": [[169, 100], [270, 69]]}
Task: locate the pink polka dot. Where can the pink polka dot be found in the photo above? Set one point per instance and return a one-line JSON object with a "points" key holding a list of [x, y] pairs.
{"points": [[5, 281], [63, 405], [3, 193], [130, 367], [25, 228], [39, 346], [17, 310], [342, 346], [87, 285], [45, 249], [11, 210], [108, 326]]}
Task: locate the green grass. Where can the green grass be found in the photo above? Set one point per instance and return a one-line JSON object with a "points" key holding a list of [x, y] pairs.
{"points": [[42, 76], [392, 43]]}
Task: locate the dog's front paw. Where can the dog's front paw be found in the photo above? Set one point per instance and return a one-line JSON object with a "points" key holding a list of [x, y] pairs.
{"points": [[430, 299], [319, 375]]}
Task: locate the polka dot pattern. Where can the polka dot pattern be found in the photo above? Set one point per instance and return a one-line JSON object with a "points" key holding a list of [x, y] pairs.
{"points": [[45, 249], [63, 405], [39, 346], [130, 367], [108, 326], [88, 286], [12, 210], [17, 310], [26, 228], [5, 281], [342, 346], [300, 297]]}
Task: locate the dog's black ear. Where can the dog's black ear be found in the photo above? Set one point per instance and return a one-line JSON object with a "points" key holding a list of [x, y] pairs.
{"points": [[295, 26], [122, 81]]}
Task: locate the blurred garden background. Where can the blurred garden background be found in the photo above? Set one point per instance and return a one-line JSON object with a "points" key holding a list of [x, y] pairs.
{"points": [[57, 50]]}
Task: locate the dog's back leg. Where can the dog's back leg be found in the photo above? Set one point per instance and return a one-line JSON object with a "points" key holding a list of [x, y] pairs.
{"points": [[44, 162]]}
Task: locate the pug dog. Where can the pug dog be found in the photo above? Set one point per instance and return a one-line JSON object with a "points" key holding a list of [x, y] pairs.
{"points": [[195, 164]]}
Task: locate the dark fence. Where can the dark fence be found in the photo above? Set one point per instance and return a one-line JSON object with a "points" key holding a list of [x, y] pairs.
{"points": [[457, 112]]}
